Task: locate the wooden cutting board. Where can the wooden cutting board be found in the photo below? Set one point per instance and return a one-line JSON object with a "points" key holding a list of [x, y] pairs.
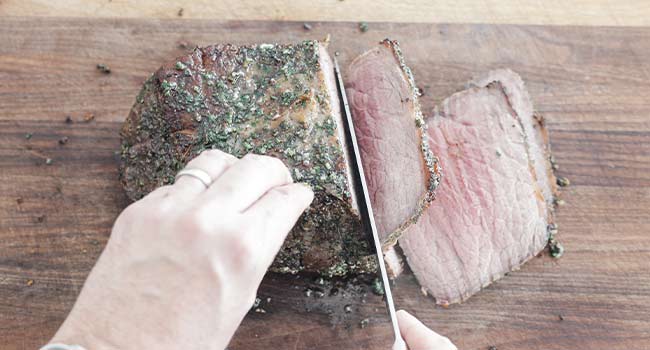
{"points": [[591, 84]]}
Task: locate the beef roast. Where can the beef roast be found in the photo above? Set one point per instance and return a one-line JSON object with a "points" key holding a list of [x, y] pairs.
{"points": [[495, 207], [278, 100], [400, 169]]}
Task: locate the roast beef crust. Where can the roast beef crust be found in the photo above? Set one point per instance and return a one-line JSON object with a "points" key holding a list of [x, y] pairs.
{"points": [[267, 99]]}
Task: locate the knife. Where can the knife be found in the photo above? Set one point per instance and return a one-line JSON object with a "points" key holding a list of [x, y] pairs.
{"points": [[365, 207]]}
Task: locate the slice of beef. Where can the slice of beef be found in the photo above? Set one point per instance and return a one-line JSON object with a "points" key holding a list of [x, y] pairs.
{"points": [[494, 210], [401, 171], [272, 99]]}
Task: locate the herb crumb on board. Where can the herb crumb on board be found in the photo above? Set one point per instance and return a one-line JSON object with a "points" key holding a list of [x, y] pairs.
{"points": [[103, 68], [363, 26]]}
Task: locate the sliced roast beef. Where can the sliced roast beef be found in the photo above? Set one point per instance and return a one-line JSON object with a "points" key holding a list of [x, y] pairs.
{"points": [[400, 170], [495, 207], [278, 100]]}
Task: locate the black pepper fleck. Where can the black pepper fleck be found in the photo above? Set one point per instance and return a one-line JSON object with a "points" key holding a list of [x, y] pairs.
{"points": [[104, 68]]}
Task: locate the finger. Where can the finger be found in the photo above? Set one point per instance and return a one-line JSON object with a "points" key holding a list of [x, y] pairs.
{"points": [[213, 162], [276, 212], [246, 181], [420, 337]]}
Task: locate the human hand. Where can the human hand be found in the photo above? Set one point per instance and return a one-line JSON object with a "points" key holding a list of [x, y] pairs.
{"points": [[418, 336], [183, 264]]}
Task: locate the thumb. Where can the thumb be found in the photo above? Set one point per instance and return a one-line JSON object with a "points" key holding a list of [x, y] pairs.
{"points": [[418, 337]]}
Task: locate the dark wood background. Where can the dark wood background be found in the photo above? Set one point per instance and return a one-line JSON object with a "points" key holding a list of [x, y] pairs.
{"points": [[591, 83]]}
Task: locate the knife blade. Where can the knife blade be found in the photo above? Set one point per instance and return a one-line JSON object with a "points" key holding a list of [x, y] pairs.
{"points": [[363, 201]]}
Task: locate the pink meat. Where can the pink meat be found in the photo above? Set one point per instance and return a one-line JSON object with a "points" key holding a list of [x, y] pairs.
{"points": [[390, 129], [495, 203]]}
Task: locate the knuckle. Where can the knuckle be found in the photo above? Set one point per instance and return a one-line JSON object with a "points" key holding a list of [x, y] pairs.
{"points": [[218, 154], [269, 163]]}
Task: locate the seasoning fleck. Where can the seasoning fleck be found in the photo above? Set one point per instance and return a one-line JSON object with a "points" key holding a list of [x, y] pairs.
{"points": [[28, 135], [560, 317], [68, 119], [557, 250], [180, 66], [364, 323], [498, 153], [88, 117], [63, 140], [259, 310], [492, 347], [40, 218], [104, 68], [30, 283], [19, 200], [48, 161], [363, 27], [307, 26], [347, 309], [563, 181], [180, 12], [377, 287]]}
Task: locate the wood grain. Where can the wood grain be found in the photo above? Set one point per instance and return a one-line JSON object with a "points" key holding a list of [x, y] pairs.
{"points": [[592, 84], [548, 12]]}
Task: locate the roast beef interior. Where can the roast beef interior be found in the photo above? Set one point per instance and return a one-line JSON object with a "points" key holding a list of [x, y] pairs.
{"points": [[496, 200]]}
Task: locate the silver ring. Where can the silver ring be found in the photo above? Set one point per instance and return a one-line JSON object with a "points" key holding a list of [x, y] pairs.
{"points": [[197, 174]]}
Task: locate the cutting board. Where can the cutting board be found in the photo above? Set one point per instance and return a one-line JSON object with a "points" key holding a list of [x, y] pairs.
{"points": [[591, 84]]}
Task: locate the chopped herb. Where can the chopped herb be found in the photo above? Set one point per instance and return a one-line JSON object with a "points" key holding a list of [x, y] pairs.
{"points": [[28, 135], [103, 68], [180, 66], [557, 250], [563, 182], [363, 27], [377, 286]]}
